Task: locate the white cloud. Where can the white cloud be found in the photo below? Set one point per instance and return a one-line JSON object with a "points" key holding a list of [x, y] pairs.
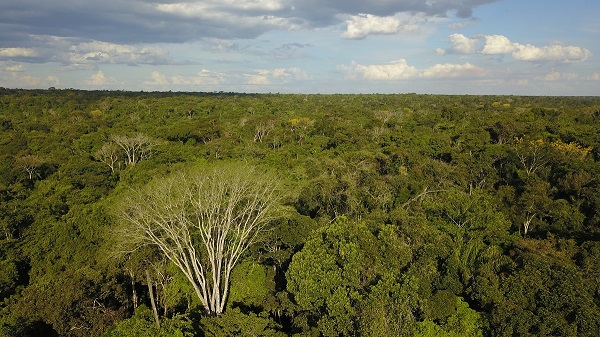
{"points": [[400, 70], [501, 45], [100, 80], [453, 71], [260, 78], [157, 79], [594, 77], [203, 77], [462, 44], [104, 52], [498, 44], [17, 68], [552, 76], [396, 70], [556, 53], [17, 52], [360, 26], [279, 75], [29, 81]]}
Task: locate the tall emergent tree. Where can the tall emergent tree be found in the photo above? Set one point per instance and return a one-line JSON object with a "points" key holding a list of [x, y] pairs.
{"points": [[203, 221]]}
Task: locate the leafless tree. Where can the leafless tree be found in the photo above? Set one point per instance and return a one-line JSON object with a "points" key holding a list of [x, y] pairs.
{"points": [[137, 148], [202, 221], [263, 130], [532, 154], [30, 163], [108, 154], [527, 223]]}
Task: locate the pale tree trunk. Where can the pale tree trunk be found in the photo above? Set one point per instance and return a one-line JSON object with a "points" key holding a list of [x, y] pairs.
{"points": [[152, 301], [134, 296], [136, 148], [527, 223]]}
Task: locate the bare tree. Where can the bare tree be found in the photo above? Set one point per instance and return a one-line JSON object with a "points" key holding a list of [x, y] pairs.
{"points": [[262, 130], [30, 163], [108, 154], [532, 154], [527, 223], [202, 221], [152, 300], [136, 148]]}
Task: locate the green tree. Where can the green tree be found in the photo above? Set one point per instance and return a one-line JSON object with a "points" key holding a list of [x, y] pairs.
{"points": [[142, 325], [331, 277]]}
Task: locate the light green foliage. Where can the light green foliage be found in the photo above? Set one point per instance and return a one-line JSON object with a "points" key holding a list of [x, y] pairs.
{"points": [[251, 283], [177, 293], [472, 214], [388, 309], [142, 324], [236, 323], [455, 320], [333, 273]]}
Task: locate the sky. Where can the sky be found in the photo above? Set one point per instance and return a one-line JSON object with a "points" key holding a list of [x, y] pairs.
{"points": [[507, 47]]}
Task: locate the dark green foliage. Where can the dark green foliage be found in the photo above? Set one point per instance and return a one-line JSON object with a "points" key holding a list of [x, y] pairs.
{"points": [[407, 215], [545, 298]]}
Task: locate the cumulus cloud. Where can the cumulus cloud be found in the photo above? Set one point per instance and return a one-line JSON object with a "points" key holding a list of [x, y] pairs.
{"points": [[158, 79], [360, 26], [594, 77], [401, 70], [498, 44], [100, 80], [201, 78], [555, 53], [552, 76], [17, 68], [502, 45], [12, 53], [278, 75], [396, 70], [453, 71], [22, 80], [463, 44], [104, 52]]}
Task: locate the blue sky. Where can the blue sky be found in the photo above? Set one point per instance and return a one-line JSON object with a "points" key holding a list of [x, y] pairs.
{"points": [[522, 47]]}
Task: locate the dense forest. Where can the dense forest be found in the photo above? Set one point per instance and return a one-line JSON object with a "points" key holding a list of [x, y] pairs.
{"points": [[395, 215]]}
